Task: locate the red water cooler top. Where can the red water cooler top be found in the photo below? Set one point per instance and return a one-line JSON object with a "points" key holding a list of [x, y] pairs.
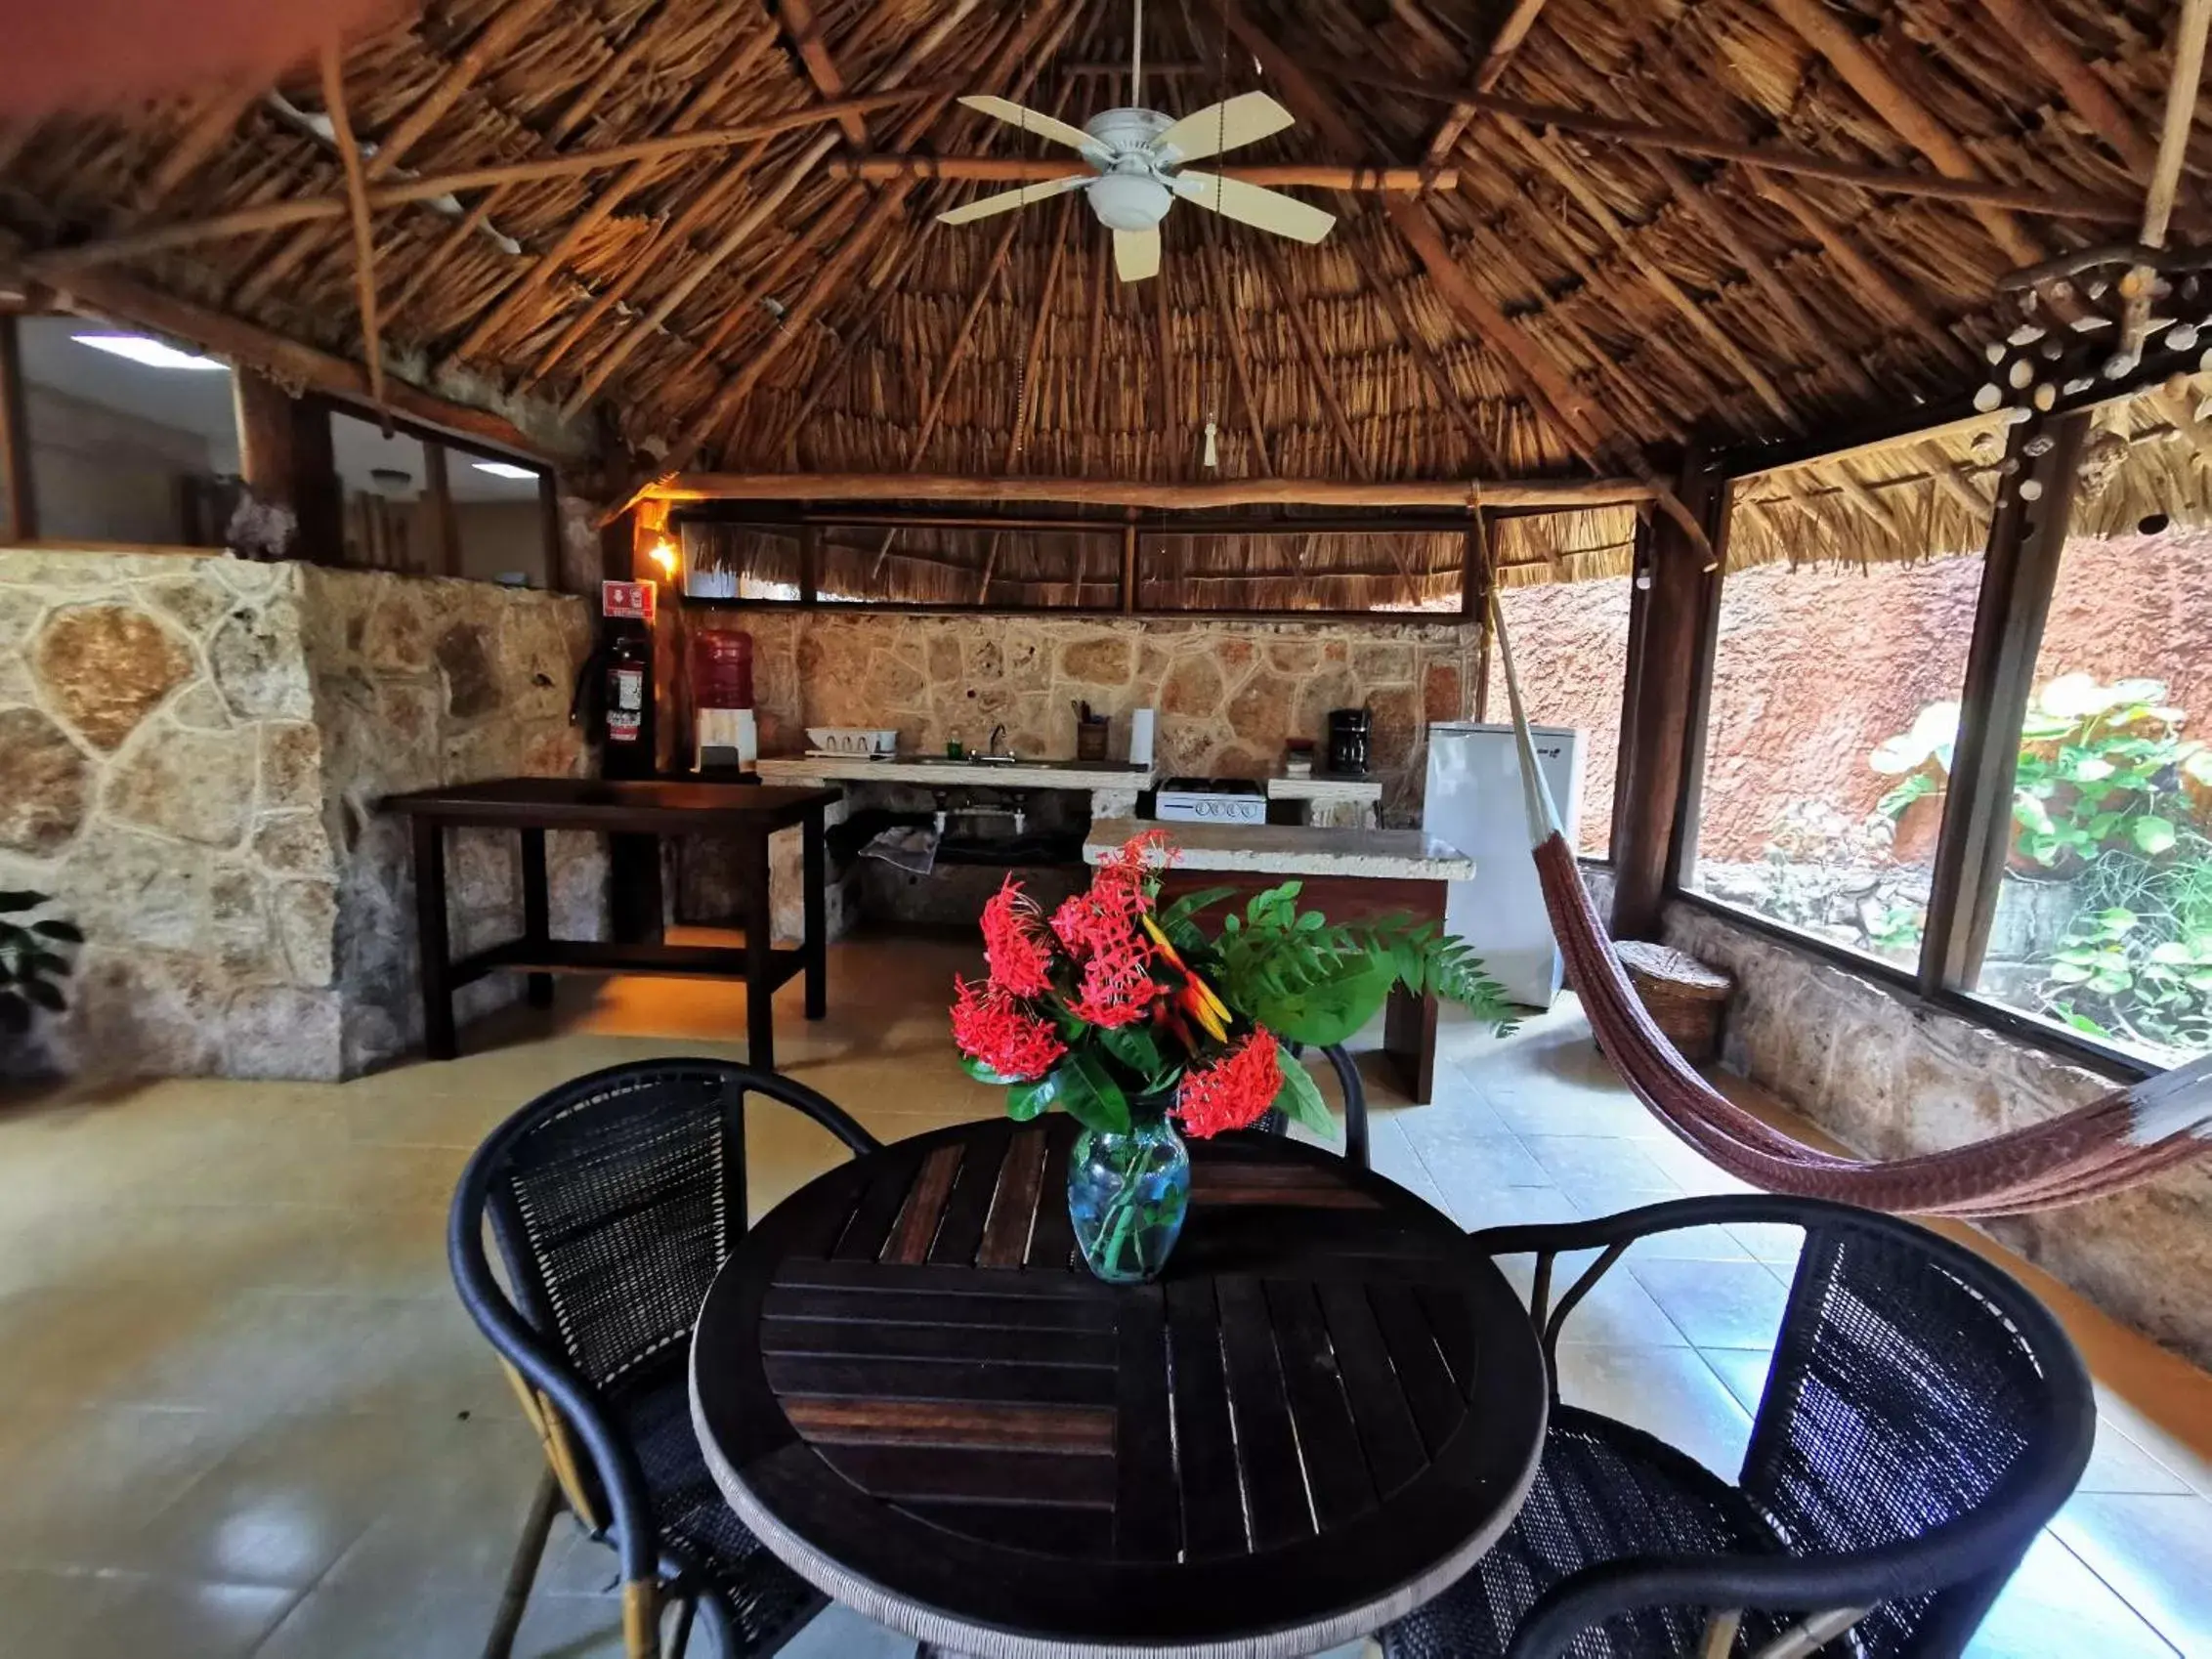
{"points": [[721, 668]]}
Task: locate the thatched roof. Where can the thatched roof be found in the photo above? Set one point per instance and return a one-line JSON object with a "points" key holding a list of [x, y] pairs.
{"points": [[1570, 301]]}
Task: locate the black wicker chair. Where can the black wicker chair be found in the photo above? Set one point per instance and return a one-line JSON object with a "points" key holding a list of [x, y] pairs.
{"points": [[1354, 1089], [613, 1199], [1924, 1417]]}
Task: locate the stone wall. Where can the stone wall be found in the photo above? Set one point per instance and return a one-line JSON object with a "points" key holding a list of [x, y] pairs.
{"points": [[1229, 693], [1889, 1079], [190, 750]]}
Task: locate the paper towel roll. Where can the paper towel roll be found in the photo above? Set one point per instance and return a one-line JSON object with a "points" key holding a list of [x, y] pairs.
{"points": [[1142, 723]]}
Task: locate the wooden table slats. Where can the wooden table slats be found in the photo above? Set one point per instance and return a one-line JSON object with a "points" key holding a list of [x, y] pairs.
{"points": [[1330, 1386]]}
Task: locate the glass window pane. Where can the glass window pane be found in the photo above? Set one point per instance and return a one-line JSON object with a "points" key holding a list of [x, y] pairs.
{"points": [[1836, 682], [2103, 918]]}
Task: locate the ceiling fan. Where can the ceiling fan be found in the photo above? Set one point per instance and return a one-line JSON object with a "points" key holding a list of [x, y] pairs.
{"points": [[1137, 156]]}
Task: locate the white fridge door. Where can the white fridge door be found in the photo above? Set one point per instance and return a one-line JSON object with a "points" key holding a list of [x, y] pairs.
{"points": [[1474, 803]]}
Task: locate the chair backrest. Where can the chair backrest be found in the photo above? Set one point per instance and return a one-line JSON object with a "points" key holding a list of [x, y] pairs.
{"points": [[1917, 1393], [1354, 1090], [615, 1198]]}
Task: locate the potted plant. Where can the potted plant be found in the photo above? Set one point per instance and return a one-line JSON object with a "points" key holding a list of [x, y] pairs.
{"points": [[32, 964], [1136, 1019]]}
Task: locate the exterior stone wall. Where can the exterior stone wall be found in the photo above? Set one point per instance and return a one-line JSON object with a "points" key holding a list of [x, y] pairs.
{"points": [[189, 752], [1228, 693], [1889, 1079]]}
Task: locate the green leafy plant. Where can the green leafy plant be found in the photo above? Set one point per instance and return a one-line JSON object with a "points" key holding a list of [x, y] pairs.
{"points": [[1118, 1009], [33, 961], [2105, 796]]}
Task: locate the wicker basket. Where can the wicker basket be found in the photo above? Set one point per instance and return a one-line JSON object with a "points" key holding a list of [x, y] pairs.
{"points": [[1686, 998]]}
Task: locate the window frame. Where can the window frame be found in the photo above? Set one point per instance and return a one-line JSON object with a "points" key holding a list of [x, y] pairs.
{"points": [[2020, 564]]}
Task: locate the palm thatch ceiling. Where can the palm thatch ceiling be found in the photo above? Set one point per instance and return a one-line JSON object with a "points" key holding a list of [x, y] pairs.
{"points": [[1802, 237]]}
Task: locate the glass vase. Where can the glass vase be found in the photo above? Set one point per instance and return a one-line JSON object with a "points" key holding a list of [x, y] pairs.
{"points": [[1126, 1194]]}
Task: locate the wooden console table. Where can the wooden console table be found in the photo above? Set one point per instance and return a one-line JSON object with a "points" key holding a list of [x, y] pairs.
{"points": [[531, 806]]}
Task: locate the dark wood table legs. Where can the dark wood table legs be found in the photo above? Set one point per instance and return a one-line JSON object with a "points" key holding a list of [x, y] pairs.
{"points": [[537, 912], [435, 946], [814, 880], [634, 828], [760, 982]]}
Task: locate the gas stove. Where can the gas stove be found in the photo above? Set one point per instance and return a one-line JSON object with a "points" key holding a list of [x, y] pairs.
{"points": [[1212, 800]]}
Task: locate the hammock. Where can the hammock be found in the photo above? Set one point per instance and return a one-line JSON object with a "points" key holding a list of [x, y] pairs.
{"points": [[2118, 1141]]}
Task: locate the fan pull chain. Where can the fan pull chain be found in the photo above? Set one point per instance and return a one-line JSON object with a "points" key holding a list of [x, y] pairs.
{"points": [[1212, 453]]}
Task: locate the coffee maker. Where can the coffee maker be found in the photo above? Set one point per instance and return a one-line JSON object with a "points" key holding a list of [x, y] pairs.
{"points": [[1348, 733]]}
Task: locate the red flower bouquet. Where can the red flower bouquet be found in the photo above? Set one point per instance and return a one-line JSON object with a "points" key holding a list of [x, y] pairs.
{"points": [[1128, 1014]]}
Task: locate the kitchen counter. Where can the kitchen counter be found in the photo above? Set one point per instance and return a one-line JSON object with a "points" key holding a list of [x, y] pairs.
{"points": [[934, 771], [1286, 849]]}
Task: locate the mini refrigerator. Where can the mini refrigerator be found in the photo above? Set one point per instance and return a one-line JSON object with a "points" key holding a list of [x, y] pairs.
{"points": [[1474, 803]]}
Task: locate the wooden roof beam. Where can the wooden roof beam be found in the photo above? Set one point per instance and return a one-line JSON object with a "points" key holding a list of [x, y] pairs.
{"points": [[1041, 169], [1232, 336], [2055, 202], [804, 31], [333, 71], [2182, 89], [577, 111], [2027, 26], [1487, 75], [891, 279], [1570, 178], [273, 215], [1444, 493], [505, 26], [1034, 355], [1309, 348], [1827, 34], [523, 285]]}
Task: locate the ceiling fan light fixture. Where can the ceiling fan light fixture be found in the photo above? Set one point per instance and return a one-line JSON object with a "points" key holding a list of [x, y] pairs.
{"points": [[1128, 201]]}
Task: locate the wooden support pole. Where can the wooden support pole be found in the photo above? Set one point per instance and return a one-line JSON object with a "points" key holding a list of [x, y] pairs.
{"points": [[17, 493], [1128, 568], [2020, 569], [810, 564], [1655, 719], [549, 527], [445, 522], [286, 464]]}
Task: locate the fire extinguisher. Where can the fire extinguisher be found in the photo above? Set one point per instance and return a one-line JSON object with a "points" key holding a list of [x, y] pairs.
{"points": [[621, 674]]}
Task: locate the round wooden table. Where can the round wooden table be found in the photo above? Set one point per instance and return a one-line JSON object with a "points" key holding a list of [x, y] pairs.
{"points": [[910, 1388]]}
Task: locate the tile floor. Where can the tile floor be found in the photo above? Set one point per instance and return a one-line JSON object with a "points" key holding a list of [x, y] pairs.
{"points": [[245, 1415]]}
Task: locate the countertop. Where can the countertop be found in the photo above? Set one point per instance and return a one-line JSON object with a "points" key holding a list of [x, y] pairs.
{"points": [[1324, 787], [926, 771], [1286, 849]]}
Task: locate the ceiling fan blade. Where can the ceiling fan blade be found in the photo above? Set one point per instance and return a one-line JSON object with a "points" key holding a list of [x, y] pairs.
{"points": [[1136, 254], [1005, 201], [1033, 121], [1246, 118], [1251, 204]]}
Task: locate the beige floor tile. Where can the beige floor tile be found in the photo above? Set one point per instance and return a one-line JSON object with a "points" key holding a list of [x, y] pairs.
{"points": [[242, 1391], [1666, 1391], [179, 1619]]}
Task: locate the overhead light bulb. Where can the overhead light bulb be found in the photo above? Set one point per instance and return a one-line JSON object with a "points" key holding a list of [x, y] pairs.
{"points": [[151, 353], [505, 469], [663, 554]]}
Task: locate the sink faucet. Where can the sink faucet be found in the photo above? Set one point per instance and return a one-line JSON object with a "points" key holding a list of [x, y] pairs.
{"points": [[997, 742]]}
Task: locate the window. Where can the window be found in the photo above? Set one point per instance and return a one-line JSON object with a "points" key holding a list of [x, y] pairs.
{"points": [[2103, 916], [1838, 667]]}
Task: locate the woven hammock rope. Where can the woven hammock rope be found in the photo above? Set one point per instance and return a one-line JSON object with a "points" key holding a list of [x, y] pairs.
{"points": [[2114, 1142]]}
